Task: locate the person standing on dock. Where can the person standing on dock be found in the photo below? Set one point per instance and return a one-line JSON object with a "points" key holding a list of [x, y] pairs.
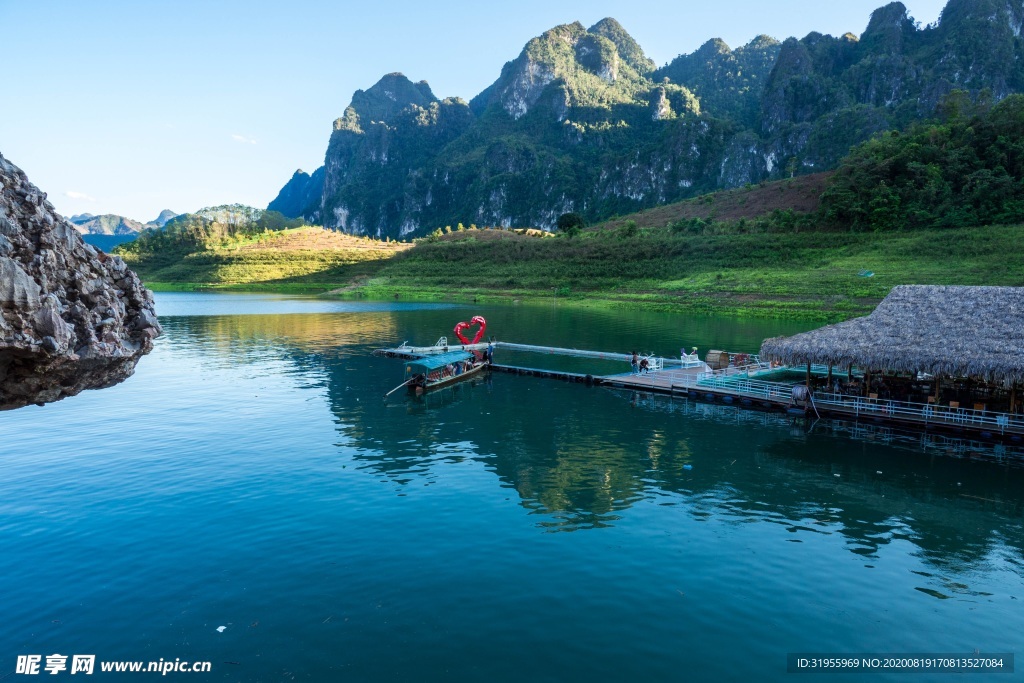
{"points": [[490, 352], [635, 362]]}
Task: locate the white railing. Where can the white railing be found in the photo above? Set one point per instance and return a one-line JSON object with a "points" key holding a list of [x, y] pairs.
{"points": [[745, 362], [858, 406], [747, 388], [920, 412]]}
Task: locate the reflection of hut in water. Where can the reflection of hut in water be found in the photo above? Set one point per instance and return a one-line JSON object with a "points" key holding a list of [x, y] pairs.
{"points": [[969, 341]]}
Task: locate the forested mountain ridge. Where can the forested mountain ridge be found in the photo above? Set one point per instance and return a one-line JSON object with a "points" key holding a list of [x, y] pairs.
{"points": [[582, 121]]}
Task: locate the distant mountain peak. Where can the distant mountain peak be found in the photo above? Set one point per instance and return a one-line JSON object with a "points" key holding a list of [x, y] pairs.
{"points": [[299, 194], [106, 224], [712, 47], [629, 49], [608, 24], [728, 82], [384, 101], [894, 11], [887, 28], [165, 215], [762, 40], [397, 87], [567, 58]]}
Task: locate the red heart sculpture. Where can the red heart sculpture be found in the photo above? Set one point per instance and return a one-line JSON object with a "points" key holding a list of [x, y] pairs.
{"points": [[464, 325]]}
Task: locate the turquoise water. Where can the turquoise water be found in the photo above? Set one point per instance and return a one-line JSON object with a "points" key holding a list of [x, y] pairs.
{"points": [[512, 529]]}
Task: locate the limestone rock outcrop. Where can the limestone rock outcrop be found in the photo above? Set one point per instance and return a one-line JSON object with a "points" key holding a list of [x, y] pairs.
{"points": [[71, 316], [608, 134]]}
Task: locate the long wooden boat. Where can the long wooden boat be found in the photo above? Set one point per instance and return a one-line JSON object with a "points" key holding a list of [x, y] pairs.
{"points": [[435, 372]]}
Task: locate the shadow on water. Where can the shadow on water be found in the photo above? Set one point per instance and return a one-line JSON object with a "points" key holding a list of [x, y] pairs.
{"points": [[580, 458], [958, 501]]}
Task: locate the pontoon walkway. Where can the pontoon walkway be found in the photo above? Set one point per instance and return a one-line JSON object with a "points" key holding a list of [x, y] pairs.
{"points": [[691, 377]]}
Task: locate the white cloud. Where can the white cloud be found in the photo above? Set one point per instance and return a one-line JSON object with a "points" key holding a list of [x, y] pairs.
{"points": [[79, 195], [241, 138]]}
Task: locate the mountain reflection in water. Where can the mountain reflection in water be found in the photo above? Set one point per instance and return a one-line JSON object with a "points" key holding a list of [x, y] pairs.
{"points": [[577, 457]]}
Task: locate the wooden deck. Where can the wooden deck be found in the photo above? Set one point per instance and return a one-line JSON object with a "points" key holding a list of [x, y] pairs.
{"points": [[664, 381]]}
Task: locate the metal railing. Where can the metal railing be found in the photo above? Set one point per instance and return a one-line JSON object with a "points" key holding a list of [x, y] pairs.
{"points": [[858, 406], [926, 413], [743, 387]]}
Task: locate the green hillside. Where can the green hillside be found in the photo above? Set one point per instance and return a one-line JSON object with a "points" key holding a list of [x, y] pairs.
{"points": [[243, 248], [818, 275]]}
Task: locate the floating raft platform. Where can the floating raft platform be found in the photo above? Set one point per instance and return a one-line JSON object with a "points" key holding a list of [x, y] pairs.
{"points": [[548, 374], [413, 352], [751, 386]]}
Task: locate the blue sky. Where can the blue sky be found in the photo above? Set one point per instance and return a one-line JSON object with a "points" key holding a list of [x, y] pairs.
{"points": [[134, 107]]}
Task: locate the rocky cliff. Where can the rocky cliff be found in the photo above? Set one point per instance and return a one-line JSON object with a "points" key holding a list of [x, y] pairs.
{"points": [[380, 158], [729, 83], [301, 195], [71, 317], [581, 121]]}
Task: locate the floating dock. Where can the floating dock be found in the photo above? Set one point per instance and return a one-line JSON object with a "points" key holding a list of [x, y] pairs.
{"points": [[752, 386]]}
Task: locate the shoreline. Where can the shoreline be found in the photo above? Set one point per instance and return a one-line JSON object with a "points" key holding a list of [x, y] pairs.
{"points": [[714, 304], [814, 276]]}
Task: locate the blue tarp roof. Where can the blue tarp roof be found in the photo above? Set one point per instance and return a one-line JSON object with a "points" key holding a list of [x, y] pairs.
{"points": [[434, 362]]}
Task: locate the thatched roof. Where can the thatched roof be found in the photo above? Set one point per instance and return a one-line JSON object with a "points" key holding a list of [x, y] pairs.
{"points": [[952, 331]]}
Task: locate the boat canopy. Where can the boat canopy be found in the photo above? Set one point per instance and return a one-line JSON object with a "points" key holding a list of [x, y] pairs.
{"points": [[429, 363]]}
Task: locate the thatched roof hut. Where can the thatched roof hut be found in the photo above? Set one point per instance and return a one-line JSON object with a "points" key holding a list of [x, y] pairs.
{"points": [[953, 331]]}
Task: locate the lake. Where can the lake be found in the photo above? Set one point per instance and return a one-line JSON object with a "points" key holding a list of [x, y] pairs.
{"points": [[248, 499]]}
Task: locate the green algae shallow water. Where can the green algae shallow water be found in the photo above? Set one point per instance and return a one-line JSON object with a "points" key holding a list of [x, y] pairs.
{"points": [[513, 529]]}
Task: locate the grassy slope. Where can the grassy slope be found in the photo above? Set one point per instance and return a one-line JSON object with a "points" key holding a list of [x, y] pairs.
{"points": [[298, 260], [807, 275], [800, 194]]}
